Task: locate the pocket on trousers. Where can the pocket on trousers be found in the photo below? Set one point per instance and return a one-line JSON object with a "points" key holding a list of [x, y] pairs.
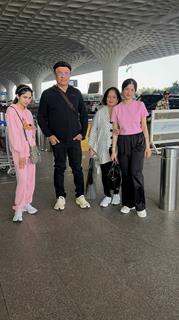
{"points": [[140, 144]]}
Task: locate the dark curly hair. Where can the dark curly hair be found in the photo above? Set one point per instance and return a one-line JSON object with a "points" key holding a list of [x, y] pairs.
{"points": [[104, 100]]}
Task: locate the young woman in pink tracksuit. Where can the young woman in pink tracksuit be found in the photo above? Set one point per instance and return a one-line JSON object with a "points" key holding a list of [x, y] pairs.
{"points": [[19, 118]]}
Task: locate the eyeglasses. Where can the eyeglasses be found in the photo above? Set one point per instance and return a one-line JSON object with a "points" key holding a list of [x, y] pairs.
{"points": [[63, 74]]}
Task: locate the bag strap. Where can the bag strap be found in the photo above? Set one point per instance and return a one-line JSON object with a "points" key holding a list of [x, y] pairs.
{"points": [[22, 125], [68, 102], [114, 163]]}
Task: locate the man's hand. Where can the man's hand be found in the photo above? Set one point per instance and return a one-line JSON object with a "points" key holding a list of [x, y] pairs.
{"points": [[78, 137], [53, 140]]}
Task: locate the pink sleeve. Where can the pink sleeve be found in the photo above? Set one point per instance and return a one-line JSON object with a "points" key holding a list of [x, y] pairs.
{"points": [[15, 133], [114, 115], [144, 112]]}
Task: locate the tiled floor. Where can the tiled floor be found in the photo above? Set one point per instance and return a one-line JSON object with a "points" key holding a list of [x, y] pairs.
{"points": [[94, 264]]}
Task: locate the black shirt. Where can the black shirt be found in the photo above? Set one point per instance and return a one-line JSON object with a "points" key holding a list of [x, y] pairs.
{"points": [[56, 118]]}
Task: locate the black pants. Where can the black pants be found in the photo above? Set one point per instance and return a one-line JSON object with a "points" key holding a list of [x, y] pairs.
{"points": [[71, 149], [104, 170], [131, 157]]}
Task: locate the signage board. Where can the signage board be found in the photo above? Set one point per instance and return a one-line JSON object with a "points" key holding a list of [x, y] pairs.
{"points": [[164, 126]]}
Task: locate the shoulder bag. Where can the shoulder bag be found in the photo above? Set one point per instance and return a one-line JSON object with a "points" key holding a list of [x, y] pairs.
{"points": [[69, 103]]}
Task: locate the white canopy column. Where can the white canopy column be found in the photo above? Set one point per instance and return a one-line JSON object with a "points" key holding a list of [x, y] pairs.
{"points": [[9, 90], [110, 69], [2, 90], [110, 74], [36, 86]]}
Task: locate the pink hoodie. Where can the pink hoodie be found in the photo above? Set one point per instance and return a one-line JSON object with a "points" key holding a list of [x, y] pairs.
{"points": [[17, 140]]}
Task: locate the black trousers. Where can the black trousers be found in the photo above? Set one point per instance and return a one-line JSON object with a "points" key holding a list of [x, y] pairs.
{"points": [[71, 149], [131, 157], [104, 170]]}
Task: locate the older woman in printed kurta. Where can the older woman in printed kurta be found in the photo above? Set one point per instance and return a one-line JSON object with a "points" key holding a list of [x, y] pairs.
{"points": [[100, 141]]}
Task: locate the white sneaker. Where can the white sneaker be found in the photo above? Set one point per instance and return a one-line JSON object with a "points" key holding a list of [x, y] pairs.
{"points": [[29, 209], [18, 216], [142, 214], [105, 202], [126, 209], [81, 201], [116, 199], [60, 204]]}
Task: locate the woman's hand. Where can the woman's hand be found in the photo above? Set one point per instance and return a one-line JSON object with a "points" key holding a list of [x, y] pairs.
{"points": [[91, 152], [113, 156], [147, 153], [22, 163], [116, 132]]}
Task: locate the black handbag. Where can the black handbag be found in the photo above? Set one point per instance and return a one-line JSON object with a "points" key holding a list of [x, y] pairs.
{"points": [[114, 176], [90, 183]]}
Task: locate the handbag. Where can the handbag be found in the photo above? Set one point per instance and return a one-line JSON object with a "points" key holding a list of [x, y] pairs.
{"points": [[90, 184], [114, 176], [35, 155], [34, 152]]}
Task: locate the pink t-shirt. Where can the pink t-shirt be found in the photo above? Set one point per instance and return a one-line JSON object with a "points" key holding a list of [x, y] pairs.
{"points": [[129, 116]]}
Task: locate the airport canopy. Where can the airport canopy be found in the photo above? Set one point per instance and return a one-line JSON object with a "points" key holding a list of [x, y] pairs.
{"points": [[88, 34]]}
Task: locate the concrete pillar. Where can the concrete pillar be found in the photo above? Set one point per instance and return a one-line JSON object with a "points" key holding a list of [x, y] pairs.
{"points": [[9, 88], [36, 87], [110, 74], [1, 87]]}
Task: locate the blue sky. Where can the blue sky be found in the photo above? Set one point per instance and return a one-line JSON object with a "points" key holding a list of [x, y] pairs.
{"points": [[158, 73]]}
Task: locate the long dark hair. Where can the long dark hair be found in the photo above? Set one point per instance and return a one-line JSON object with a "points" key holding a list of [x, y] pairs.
{"points": [[104, 100], [21, 89], [129, 81]]}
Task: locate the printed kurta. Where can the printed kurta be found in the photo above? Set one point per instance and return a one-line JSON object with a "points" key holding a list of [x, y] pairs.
{"points": [[100, 138]]}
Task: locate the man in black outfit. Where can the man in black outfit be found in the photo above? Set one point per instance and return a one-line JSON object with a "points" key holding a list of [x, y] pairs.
{"points": [[63, 118]]}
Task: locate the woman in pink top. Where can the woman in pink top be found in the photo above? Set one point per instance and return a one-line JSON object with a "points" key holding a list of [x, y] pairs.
{"points": [[19, 118], [129, 117]]}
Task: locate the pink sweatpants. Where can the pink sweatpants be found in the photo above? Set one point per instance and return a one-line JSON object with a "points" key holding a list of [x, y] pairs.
{"points": [[25, 183]]}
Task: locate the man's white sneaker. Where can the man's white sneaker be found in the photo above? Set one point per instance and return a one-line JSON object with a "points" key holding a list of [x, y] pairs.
{"points": [[126, 209], [142, 213], [29, 209], [116, 199], [60, 204], [81, 201], [105, 202], [18, 216]]}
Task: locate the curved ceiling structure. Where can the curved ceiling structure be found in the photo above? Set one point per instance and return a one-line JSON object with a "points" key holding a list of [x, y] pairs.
{"points": [[37, 33]]}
